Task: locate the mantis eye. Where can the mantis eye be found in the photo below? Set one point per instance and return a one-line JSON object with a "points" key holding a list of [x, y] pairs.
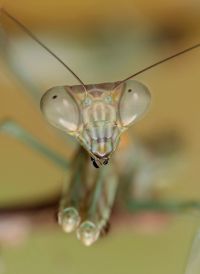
{"points": [[134, 102], [60, 109]]}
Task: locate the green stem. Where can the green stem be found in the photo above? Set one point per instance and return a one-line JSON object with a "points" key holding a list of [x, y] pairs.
{"points": [[15, 130], [162, 206]]}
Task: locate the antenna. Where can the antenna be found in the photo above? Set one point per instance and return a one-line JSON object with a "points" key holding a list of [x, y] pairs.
{"points": [[159, 62], [27, 31]]}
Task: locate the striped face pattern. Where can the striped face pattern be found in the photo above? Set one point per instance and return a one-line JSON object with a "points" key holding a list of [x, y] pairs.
{"points": [[96, 118]]}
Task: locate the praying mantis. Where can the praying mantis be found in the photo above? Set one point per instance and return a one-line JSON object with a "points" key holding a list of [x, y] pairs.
{"points": [[96, 115]]}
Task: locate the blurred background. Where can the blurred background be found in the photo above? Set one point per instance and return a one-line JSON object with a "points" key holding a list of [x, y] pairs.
{"points": [[102, 41]]}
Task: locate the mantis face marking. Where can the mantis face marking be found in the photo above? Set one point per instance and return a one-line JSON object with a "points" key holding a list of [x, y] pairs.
{"points": [[98, 118]]}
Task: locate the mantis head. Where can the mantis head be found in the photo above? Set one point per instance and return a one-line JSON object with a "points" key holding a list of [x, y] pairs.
{"points": [[96, 118]]}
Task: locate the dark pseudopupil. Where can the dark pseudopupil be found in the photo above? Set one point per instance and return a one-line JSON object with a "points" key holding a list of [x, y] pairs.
{"points": [[129, 90], [55, 96]]}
